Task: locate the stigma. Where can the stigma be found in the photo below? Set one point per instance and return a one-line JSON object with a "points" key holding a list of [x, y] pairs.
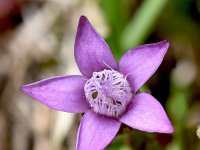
{"points": [[108, 93]]}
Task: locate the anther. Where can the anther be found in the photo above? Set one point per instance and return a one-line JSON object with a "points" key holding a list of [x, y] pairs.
{"points": [[108, 93]]}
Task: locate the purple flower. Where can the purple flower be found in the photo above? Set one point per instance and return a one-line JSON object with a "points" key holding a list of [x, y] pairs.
{"points": [[107, 91]]}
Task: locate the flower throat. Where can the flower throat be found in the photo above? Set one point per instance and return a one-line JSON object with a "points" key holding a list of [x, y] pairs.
{"points": [[108, 93]]}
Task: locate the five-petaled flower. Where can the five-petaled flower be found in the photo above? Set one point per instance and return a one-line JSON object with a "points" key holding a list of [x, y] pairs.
{"points": [[107, 92]]}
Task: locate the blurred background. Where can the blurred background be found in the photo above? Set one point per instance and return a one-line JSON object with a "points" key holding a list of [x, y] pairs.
{"points": [[36, 42]]}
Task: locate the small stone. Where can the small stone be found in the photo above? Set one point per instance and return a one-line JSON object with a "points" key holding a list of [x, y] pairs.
{"points": [[198, 132]]}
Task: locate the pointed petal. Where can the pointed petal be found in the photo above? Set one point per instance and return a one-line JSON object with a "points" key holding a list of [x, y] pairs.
{"points": [[141, 62], [91, 51], [64, 93], [96, 131], [146, 113]]}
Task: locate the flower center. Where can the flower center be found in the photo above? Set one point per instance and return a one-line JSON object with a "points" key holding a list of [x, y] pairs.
{"points": [[108, 93]]}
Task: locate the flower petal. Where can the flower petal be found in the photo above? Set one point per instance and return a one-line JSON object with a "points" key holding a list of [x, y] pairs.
{"points": [[141, 62], [64, 93], [91, 51], [96, 131], [146, 113]]}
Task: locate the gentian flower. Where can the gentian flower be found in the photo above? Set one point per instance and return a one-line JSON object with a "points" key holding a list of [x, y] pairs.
{"points": [[107, 92]]}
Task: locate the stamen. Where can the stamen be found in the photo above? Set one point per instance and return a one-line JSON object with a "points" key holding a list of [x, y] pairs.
{"points": [[107, 65], [108, 93]]}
